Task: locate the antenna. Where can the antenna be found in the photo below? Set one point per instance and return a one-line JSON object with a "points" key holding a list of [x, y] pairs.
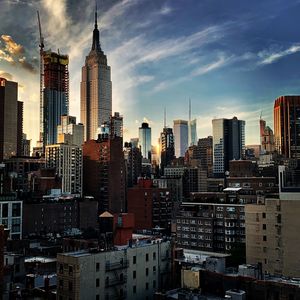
{"points": [[41, 45]]}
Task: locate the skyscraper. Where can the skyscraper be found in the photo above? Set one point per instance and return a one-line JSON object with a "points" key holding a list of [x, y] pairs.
{"points": [[96, 89], [266, 137], [286, 126], [180, 137], [193, 131], [167, 147], [55, 93], [8, 118], [145, 140], [228, 143]]}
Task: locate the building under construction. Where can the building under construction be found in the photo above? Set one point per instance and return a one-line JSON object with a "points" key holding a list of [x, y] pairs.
{"points": [[55, 93]]}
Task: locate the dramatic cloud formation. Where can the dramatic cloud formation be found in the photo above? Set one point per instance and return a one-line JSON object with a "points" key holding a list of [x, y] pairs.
{"points": [[11, 46]]}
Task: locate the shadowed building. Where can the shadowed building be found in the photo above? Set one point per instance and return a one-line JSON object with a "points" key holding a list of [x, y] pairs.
{"points": [[96, 89], [286, 126]]}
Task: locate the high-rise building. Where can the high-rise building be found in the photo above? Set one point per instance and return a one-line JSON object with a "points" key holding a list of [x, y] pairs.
{"points": [[286, 126], [55, 93], [145, 140], [25, 145], [167, 147], [96, 89], [180, 129], [19, 127], [116, 125], [266, 137], [133, 163], [8, 118], [228, 143], [67, 160], [69, 132], [104, 172], [205, 146], [193, 132]]}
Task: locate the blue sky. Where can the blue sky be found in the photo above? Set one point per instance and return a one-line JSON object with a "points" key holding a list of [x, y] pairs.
{"points": [[232, 58]]}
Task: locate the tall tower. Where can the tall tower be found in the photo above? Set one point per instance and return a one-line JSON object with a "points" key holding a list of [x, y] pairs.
{"points": [[286, 126], [180, 129], [96, 89], [228, 143], [145, 140]]}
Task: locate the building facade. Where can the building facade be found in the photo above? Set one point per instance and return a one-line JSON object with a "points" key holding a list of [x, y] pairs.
{"points": [[55, 94], [104, 172], [67, 160], [166, 147], [134, 272], [267, 142], [8, 118], [180, 129], [286, 126], [145, 140], [95, 89], [228, 143], [69, 132]]}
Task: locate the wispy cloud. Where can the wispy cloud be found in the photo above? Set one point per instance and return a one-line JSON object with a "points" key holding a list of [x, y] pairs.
{"points": [[269, 57]]}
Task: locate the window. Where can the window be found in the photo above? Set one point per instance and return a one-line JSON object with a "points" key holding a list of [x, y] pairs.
{"points": [[134, 274], [147, 271], [61, 268], [147, 257], [265, 238], [71, 270], [97, 297], [134, 289], [154, 255], [97, 267], [147, 286], [97, 282], [154, 284], [264, 215], [264, 226], [61, 283], [154, 269], [16, 209], [4, 210], [70, 285], [134, 260]]}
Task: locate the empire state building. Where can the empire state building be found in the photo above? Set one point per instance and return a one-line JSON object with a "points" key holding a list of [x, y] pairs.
{"points": [[96, 89]]}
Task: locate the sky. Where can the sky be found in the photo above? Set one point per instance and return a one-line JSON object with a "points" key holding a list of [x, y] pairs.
{"points": [[231, 58]]}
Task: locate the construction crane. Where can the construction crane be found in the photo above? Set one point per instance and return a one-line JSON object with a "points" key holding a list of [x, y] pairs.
{"points": [[41, 46]]}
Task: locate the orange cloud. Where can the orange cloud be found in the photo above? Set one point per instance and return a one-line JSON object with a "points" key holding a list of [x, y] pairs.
{"points": [[11, 46]]}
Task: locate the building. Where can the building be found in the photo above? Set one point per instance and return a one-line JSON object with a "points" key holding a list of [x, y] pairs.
{"points": [[131, 272], [8, 118], [193, 132], [228, 143], [205, 146], [116, 124], [67, 160], [55, 93], [145, 140], [95, 89], [56, 213], [286, 128], [152, 206], [180, 129], [133, 163], [19, 127], [104, 172], [69, 132], [267, 142], [19, 168], [11, 215], [25, 146], [271, 238], [213, 221], [166, 147]]}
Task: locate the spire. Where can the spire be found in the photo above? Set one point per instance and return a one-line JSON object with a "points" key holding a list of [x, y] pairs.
{"points": [[96, 35]]}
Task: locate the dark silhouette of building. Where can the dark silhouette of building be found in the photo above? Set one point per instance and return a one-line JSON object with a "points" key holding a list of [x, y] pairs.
{"points": [[8, 118], [152, 206], [228, 143], [133, 163], [286, 126], [167, 148], [104, 172], [205, 146]]}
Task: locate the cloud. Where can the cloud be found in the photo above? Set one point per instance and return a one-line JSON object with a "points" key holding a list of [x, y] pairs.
{"points": [[11, 46], [27, 65], [6, 75], [5, 56], [220, 62], [270, 57], [165, 10]]}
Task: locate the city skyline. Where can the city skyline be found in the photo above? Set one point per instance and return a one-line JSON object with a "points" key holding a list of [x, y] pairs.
{"points": [[237, 56]]}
